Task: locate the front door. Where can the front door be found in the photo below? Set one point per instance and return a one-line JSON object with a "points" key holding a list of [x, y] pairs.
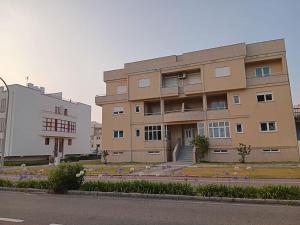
{"points": [[188, 136]]}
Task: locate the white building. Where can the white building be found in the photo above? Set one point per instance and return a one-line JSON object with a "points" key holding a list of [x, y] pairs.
{"points": [[96, 136], [42, 124]]}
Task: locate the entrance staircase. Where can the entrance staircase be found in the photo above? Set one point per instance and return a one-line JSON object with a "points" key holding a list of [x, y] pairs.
{"points": [[186, 154]]}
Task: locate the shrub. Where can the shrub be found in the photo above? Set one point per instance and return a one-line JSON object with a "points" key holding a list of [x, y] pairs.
{"points": [[38, 184], [145, 187], [65, 177], [5, 183], [243, 151], [201, 144]]}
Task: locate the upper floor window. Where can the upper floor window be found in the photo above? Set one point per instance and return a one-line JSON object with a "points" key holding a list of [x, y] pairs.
{"points": [[268, 126], [219, 130], [118, 134], [239, 128], [170, 81], [47, 141], [222, 71], [57, 110], [236, 99], [144, 83], [121, 89], [263, 71], [264, 97], [152, 133], [118, 110], [137, 132], [137, 109], [66, 112], [3, 105]]}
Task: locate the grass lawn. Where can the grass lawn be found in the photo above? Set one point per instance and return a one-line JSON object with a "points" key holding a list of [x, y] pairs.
{"points": [[251, 171]]}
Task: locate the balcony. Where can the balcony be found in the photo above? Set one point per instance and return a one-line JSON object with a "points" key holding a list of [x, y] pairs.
{"points": [[153, 118], [100, 100], [152, 112], [217, 106], [186, 115], [190, 89], [169, 91], [274, 78], [57, 134]]}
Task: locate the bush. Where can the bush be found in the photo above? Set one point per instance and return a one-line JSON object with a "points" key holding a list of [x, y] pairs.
{"points": [[201, 144], [27, 163], [145, 187], [5, 183], [38, 184], [66, 177]]}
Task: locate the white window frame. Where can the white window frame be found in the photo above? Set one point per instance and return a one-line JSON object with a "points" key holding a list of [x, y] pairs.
{"points": [[271, 150], [153, 152], [138, 129], [236, 128], [121, 89], [239, 99], [145, 82], [262, 71], [268, 127], [201, 128], [220, 151], [139, 107], [118, 132], [117, 110], [265, 98], [219, 127], [152, 132], [222, 71], [117, 153]]}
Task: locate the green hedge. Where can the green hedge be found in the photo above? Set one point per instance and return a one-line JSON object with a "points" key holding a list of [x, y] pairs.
{"points": [[38, 184], [5, 183], [27, 163], [145, 187]]}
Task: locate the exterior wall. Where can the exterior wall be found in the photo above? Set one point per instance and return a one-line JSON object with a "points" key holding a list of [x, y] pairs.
{"points": [[242, 60], [25, 135]]}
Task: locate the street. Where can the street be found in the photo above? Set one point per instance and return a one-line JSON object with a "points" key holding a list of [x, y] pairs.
{"points": [[44, 209]]}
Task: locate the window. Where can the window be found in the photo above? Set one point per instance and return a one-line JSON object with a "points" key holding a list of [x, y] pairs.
{"points": [[47, 141], [239, 128], [268, 126], [121, 90], [222, 71], [152, 133], [220, 151], [137, 133], [117, 153], [201, 129], [219, 130], [170, 82], [262, 71], [264, 97], [66, 112], [118, 134], [236, 99], [154, 152], [144, 83], [118, 110], [271, 150], [69, 141], [3, 105], [137, 108]]}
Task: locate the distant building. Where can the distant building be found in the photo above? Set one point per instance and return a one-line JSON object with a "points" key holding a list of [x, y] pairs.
{"points": [[153, 109], [41, 124], [297, 120], [95, 137]]}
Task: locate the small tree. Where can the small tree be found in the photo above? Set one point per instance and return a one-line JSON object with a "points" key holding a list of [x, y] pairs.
{"points": [[105, 154], [243, 151], [201, 144]]}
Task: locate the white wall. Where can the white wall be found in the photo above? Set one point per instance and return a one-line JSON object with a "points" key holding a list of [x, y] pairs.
{"points": [[25, 136]]}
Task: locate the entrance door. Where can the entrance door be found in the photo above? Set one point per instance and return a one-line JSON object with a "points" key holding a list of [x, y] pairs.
{"points": [[188, 136]]}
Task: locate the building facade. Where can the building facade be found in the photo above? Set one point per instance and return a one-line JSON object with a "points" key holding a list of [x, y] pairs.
{"points": [[234, 94], [42, 125], [96, 137]]}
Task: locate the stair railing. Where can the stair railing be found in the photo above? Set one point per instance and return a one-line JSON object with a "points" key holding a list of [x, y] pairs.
{"points": [[176, 150]]}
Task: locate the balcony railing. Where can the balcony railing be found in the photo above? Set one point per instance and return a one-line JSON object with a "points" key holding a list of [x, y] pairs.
{"points": [[184, 115], [102, 99]]}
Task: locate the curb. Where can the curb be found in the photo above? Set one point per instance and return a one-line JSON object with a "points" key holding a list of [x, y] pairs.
{"points": [[160, 196], [190, 198]]}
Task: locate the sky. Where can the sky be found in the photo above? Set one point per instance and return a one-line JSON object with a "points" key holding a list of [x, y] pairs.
{"points": [[66, 45]]}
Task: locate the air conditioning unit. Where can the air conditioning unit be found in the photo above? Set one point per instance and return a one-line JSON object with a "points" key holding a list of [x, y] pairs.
{"points": [[182, 76]]}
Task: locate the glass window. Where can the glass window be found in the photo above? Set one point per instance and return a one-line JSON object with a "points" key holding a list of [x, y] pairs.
{"points": [[222, 71], [236, 99], [69, 141], [118, 110], [47, 141], [266, 71], [272, 126], [137, 132], [262, 71], [264, 96], [263, 126], [260, 98], [239, 128], [152, 133], [268, 126], [219, 130], [144, 83], [258, 72], [269, 97], [137, 109], [201, 129]]}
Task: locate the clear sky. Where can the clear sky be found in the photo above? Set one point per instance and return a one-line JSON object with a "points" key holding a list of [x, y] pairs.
{"points": [[66, 45]]}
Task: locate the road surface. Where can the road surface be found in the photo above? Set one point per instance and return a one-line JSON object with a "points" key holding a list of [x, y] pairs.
{"points": [[44, 209]]}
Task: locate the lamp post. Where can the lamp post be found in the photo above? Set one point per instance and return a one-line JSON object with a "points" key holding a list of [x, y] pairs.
{"points": [[5, 124]]}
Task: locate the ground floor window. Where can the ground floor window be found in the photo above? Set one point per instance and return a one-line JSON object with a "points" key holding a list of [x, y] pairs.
{"points": [[271, 150], [47, 141], [117, 153], [219, 130], [220, 151], [152, 133], [153, 152]]}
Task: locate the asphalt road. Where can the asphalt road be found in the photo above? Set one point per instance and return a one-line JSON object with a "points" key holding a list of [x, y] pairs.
{"points": [[44, 209]]}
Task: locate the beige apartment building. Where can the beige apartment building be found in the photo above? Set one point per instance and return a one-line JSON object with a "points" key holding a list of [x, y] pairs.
{"points": [[234, 94]]}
